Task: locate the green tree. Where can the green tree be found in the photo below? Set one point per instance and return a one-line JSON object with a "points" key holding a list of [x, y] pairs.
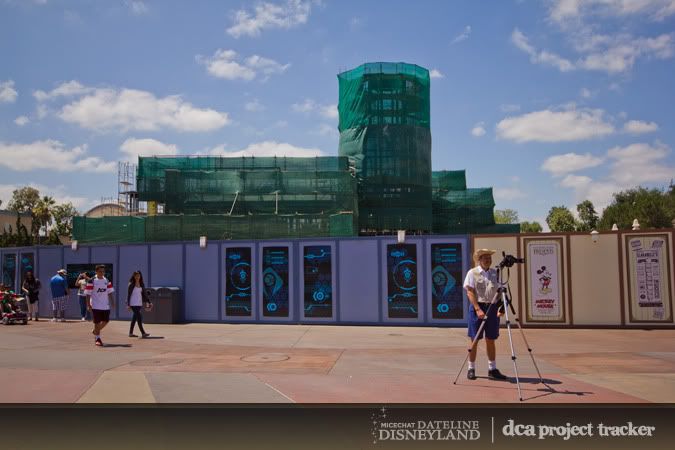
{"points": [[560, 219], [588, 218], [530, 227], [24, 199], [63, 218], [653, 208], [506, 216]]}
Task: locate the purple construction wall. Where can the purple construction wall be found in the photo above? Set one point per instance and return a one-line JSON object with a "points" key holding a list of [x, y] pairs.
{"points": [[359, 277]]}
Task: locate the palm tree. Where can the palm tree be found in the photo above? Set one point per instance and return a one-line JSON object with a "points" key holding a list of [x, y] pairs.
{"points": [[42, 215]]}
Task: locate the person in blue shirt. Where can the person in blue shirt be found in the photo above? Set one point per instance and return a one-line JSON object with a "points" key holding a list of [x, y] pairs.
{"points": [[59, 287]]}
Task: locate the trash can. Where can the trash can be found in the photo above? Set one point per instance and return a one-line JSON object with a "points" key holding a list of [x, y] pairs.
{"points": [[167, 305]]}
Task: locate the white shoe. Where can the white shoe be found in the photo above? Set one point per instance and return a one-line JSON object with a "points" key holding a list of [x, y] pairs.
{"points": [[62, 319], [53, 319], [83, 319]]}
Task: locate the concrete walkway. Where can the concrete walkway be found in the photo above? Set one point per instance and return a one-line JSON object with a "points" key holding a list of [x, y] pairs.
{"points": [[200, 363]]}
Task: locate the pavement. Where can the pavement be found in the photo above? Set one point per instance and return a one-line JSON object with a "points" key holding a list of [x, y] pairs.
{"points": [[242, 363]]}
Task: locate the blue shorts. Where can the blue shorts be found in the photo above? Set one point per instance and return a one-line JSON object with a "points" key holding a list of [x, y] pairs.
{"points": [[491, 329]]}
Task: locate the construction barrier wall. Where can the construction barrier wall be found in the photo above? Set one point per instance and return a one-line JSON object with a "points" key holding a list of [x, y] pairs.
{"points": [[625, 279]]}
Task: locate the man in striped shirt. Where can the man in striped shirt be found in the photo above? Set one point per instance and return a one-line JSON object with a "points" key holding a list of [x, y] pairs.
{"points": [[99, 292]]}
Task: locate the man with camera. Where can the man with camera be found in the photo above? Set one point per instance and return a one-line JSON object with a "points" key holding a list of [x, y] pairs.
{"points": [[481, 284]]}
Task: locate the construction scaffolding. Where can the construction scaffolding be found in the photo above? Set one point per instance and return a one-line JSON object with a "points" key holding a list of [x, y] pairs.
{"points": [[384, 130]]}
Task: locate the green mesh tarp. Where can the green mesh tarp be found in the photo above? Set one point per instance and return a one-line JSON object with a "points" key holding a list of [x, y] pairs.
{"points": [[109, 229], [384, 131], [462, 211], [217, 185], [185, 227], [448, 180]]}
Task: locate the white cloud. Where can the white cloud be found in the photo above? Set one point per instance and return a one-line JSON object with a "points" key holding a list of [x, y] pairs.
{"points": [[58, 193], [137, 8], [612, 54], [562, 11], [639, 127], [559, 165], [329, 111], [68, 89], [224, 64], [640, 163], [555, 126], [478, 130], [585, 93], [307, 105], [7, 92], [269, 16], [41, 111], [540, 56], [617, 54], [600, 193], [509, 107], [51, 155], [133, 148], [268, 148], [630, 166], [21, 120], [105, 109], [512, 193], [254, 106], [435, 73], [464, 35]]}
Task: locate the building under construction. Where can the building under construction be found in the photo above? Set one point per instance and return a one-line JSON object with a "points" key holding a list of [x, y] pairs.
{"points": [[381, 181]]}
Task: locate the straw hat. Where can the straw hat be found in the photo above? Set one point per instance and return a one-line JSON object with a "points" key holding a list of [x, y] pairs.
{"points": [[480, 252]]}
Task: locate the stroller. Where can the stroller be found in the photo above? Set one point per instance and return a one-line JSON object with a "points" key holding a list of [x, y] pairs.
{"points": [[11, 311]]}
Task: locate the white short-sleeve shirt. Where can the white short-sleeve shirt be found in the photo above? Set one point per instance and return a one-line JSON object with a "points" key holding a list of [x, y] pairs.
{"points": [[98, 289], [470, 279]]}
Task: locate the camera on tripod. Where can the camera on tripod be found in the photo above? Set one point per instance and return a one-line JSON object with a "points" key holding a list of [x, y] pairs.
{"points": [[510, 260]]}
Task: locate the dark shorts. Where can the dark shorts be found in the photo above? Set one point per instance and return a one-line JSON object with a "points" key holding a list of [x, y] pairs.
{"points": [[101, 315], [491, 329]]}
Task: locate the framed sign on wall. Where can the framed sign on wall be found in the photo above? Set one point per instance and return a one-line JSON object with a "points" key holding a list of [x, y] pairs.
{"points": [[649, 274], [545, 280]]}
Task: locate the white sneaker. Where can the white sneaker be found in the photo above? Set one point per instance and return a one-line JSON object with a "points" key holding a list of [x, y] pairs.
{"points": [[83, 319], [62, 319], [53, 319]]}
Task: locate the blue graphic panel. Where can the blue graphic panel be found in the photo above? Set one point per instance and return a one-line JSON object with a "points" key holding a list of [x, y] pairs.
{"points": [[402, 281], [9, 270], [318, 278], [238, 281], [446, 281], [74, 271], [27, 265], [275, 281]]}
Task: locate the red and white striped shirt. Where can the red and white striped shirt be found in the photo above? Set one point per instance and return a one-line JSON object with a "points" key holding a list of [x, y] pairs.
{"points": [[98, 289]]}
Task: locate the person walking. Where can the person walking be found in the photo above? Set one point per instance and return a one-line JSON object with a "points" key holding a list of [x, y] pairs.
{"points": [[31, 288], [81, 284], [136, 297], [59, 288], [99, 293]]}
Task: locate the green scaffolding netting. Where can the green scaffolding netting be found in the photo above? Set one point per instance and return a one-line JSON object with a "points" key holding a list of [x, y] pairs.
{"points": [[216, 185], [384, 131], [214, 226]]}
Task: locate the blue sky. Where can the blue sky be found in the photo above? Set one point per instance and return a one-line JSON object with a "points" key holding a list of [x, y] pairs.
{"points": [[550, 102]]}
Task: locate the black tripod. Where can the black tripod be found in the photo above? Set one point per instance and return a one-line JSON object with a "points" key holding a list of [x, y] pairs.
{"points": [[507, 305]]}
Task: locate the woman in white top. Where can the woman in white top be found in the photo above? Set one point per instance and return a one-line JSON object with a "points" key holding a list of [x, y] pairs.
{"points": [[136, 297], [81, 284]]}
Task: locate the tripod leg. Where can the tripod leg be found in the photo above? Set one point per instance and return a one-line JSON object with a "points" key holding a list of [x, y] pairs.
{"points": [[513, 353], [527, 344], [473, 343]]}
